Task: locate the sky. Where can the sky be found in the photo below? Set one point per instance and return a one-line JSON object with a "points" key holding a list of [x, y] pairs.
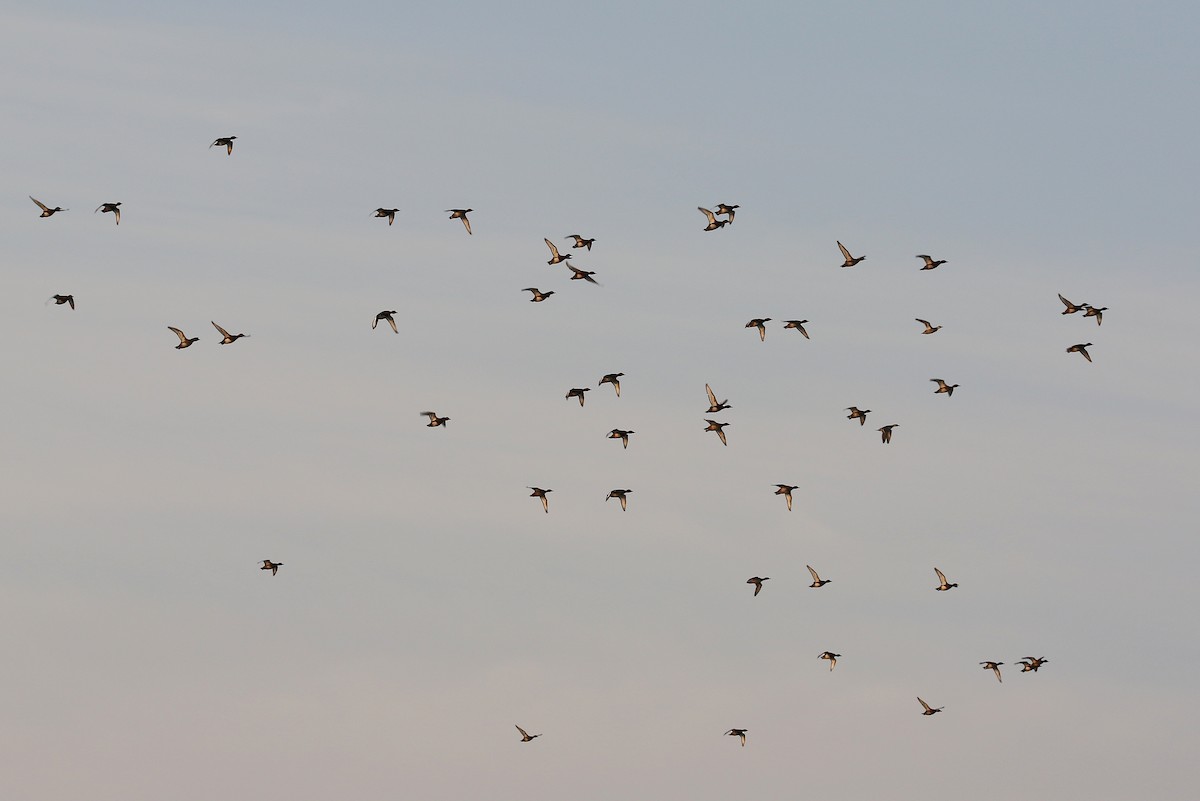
{"points": [[427, 603]]}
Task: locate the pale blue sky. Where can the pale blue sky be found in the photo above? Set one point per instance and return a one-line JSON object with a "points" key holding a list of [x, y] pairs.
{"points": [[426, 604]]}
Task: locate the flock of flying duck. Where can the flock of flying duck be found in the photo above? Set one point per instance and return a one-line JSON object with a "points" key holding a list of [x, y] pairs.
{"points": [[714, 222]]}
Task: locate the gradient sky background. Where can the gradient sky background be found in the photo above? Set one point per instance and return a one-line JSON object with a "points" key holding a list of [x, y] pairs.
{"points": [[426, 603]]}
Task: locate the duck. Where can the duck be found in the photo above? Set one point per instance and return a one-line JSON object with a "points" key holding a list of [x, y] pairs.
{"points": [[46, 210], [225, 142], [110, 208], [555, 256], [930, 264], [929, 328], [995, 668], [831, 656], [757, 581], [580, 242], [541, 493], [1071, 307], [1098, 313], [582, 275], [1081, 350], [944, 585], [943, 387], [184, 342], [761, 324], [614, 379], [434, 420], [61, 299], [619, 494], [713, 222], [928, 709], [386, 315], [461, 214], [861, 414], [389, 213], [737, 733], [886, 432], [713, 425], [617, 433], [786, 491], [226, 337], [818, 582], [577, 392], [272, 566], [538, 295], [526, 736], [798, 325], [850, 260], [726, 209], [713, 405], [1029, 663]]}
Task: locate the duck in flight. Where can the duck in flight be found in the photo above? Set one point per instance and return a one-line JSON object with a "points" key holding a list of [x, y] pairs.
{"points": [[930, 264], [61, 299], [434, 420], [818, 582], [614, 379], [786, 491], [713, 405], [461, 214], [110, 208], [617, 433], [995, 668], [943, 387], [619, 494], [1098, 313], [386, 315], [713, 222], [737, 733], [850, 260], [555, 256], [46, 210], [526, 736], [226, 337], [929, 329], [757, 582], [861, 414], [928, 709], [184, 342], [580, 242], [761, 324], [225, 142], [798, 325], [886, 432], [582, 275], [389, 213], [831, 656], [577, 392], [541, 493], [1081, 350], [943, 585], [272, 566], [713, 425], [727, 210], [1029, 663], [538, 295], [1071, 307]]}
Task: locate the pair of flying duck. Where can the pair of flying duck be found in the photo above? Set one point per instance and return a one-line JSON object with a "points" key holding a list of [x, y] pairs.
{"points": [[761, 324], [186, 342], [711, 216], [610, 378]]}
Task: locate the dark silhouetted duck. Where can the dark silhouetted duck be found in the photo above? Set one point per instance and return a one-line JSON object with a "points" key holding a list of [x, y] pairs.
{"points": [[1081, 350], [713, 222], [184, 342], [713, 405], [831, 656], [617, 433], [580, 242], [225, 142], [1029, 663], [930, 264], [786, 491], [61, 299], [389, 213], [1092, 311], [713, 425], [226, 337], [929, 329], [943, 585], [738, 733], [46, 210], [386, 315], [613, 378], [538, 295], [995, 668], [619, 494], [110, 208], [761, 324], [943, 387], [798, 325], [555, 256], [272, 566], [582, 275], [541, 493], [1071, 307], [526, 736], [577, 392], [461, 214], [818, 582], [928, 709], [886, 432], [434, 420], [856, 412], [727, 210], [850, 260], [757, 582]]}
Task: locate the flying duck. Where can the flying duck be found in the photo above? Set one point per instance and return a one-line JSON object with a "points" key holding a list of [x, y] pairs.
{"points": [[582, 275], [184, 342], [928, 709], [461, 214], [713, 425], [541, 493], [612, 378], [389, 213], [619, 494], [1029, 663], [761, 324], [713, 405], [944, 585], [886, 432], [713, 222], [46, 210], [726, 209], [929, 329], [1092, 311], [272, 566], [786, 491], [1081, 350], [943, 387], [738, 733], [538, 295], [386, 315], [580, 242], [831, 656], [850, 260], [757, 582], [526, 736], [1071, 307], [434, 420], [995, 668], [617, 433], [798, 325], [555, 256], [930, 264], [818, 582], [61, 299], [225, 142], [110, 208], [861, 414], [227, 338], [576, 392]]}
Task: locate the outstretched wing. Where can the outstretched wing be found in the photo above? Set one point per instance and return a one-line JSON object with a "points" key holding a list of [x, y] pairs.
{"points": [[553, 250], [224, 333], [44, 207], [845, 252], [712, 399], [182, 337], [814, 573], [941, 576], [712, 219]]}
